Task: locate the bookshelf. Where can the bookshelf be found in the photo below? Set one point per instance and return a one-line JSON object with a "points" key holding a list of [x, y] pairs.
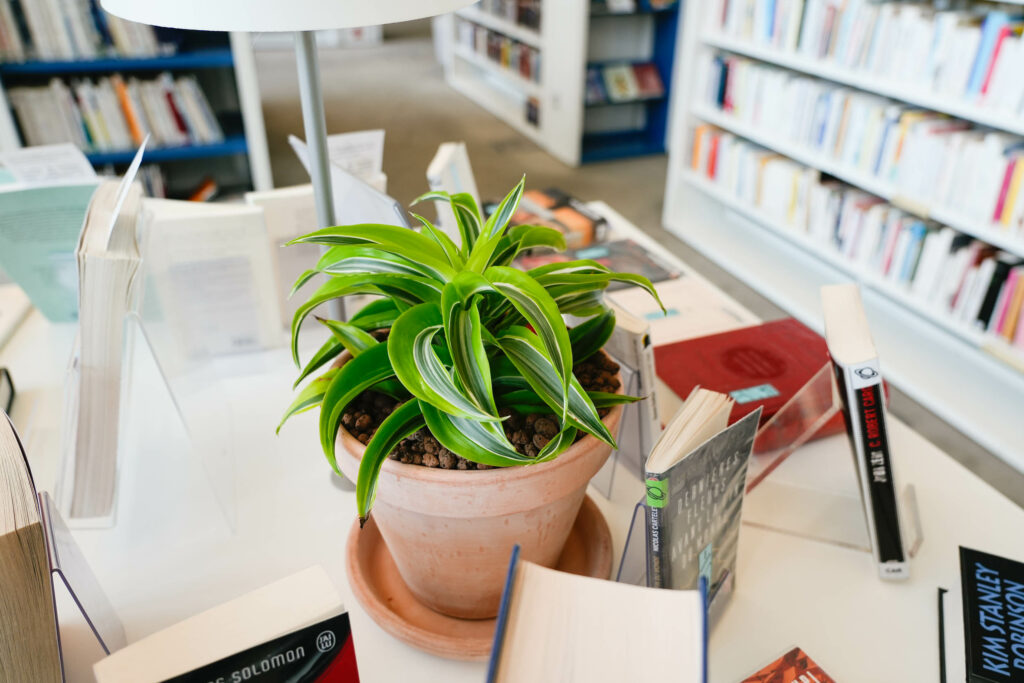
{"points": [[224, 68], [549, 106], [966, 376]]}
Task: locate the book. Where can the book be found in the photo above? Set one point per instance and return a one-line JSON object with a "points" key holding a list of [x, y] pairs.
{"points": [[859, 376], [760, 366], [595, 93], [631, 345], [696, 476], [108, 259], [605, 630], [620, 83], [293, 629], [556, 209], [796, 666], [29, 645], [648, 80], [7, 391], [993, 604]]}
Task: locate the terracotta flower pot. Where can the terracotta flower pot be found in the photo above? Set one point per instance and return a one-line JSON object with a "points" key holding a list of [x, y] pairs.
{"points": [[451, 531]]}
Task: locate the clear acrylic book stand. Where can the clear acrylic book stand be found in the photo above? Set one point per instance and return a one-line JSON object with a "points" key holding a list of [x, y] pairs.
{"points": [[176, 424], [793, 486]]}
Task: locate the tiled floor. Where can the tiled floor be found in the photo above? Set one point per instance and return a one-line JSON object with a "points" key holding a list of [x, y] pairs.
{"points": [[400, 87]]}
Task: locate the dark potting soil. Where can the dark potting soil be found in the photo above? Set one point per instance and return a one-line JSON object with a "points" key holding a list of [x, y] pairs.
{"points": [[528, 433]]}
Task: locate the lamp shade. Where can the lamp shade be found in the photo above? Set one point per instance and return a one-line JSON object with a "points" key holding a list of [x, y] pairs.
{"points": [[276, 15]]}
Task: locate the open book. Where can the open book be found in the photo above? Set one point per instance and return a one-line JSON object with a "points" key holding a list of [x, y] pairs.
{"points": [[696, 476], [555, 626], [29, 648]]}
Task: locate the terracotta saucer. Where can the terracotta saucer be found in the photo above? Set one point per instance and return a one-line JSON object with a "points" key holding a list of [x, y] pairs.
{"points": [[379, 588]]}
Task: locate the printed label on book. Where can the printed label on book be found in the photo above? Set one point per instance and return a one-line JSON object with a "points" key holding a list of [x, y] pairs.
{"points": [[321, 653], [758, 393]]}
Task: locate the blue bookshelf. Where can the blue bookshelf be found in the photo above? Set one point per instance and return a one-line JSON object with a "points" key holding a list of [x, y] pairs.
{"points": [[184, 61], [651, 139], [234, 144]]}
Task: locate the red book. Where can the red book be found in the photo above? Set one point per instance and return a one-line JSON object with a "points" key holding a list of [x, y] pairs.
{"points": [[795, 666], [648, 80], [762, 365], [1000, 39], [713, 156], [1004, 190]]}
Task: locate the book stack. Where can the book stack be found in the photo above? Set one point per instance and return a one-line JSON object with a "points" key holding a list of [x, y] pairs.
{"points": [[115, 114], [960, 53], [618, 83], [69, 29], [522, 12], [970, 283], [922, 155], [508, 53]]}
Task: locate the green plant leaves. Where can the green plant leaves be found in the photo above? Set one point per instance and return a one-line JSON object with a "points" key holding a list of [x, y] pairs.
{"points": [[308, 397], [409, 244], [467, 215], [590, 336], [400, 424], [541, 312], [377, 315], [331, 349], [481, 442], [420, 370], [524, 349], [354, 377], [443, 241], [481, 255], [464, 333], [353, 338]]}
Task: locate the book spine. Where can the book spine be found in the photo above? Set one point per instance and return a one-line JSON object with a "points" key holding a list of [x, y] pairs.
{"points": [[502, 620], [658, 575], [864, 412]]}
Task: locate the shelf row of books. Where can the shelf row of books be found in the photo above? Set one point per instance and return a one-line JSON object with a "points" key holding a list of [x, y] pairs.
{"points": [[966, 54], [925, 157], [114, 114], [526, 13], [972, 284], [506, 52], [617, 83], [606, 7], [70, 29]]}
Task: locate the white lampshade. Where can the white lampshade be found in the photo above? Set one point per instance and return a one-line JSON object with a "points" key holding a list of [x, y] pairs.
{"points": [[276, 15]]}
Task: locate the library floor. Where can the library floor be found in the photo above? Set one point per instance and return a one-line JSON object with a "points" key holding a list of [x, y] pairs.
{"points": [[400, 87]]}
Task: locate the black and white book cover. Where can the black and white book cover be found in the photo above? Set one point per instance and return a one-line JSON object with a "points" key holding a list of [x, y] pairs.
{"points": [[693, 514], [993, 601]]}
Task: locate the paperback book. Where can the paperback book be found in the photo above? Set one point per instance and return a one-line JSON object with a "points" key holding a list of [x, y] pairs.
{"points": [[993, 603], [696, 477], [796, 666]]}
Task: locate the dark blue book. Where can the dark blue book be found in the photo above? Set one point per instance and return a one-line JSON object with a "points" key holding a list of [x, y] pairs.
{"points": [[993, 601]]}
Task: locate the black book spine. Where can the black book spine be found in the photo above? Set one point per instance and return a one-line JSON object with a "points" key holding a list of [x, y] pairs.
{"points": [[657, 533], [864, 412]]}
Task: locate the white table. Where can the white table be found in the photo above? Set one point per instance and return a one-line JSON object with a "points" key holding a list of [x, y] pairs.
{"points": [[173, 554]]}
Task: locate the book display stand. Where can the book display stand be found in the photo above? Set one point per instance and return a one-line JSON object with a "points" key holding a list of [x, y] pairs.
{"points": [[805, 496]]}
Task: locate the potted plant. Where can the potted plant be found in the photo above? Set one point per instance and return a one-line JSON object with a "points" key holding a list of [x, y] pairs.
{"points": [[464, 363]]}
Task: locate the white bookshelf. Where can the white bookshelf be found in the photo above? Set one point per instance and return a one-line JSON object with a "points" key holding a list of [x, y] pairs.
{"points": [[569, 39], [970, 380]]}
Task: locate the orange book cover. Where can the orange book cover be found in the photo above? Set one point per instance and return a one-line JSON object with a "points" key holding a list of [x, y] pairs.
{"points": [[796, 666], [126, 106], [698, 136]]}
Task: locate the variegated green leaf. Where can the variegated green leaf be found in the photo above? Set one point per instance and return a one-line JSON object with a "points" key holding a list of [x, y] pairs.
{"points": [[400, 424], [590, 336], [444, 241], [597, 281], [377, 315], [354, 339], [503, 214], [467, 215], [354, 377], [421, 371], [557, 445], [602, 399], [330, 350], [415, 288], [481, 442], [541, 312], [309, 397], [393, 239], [525, 351], [464, 334]]}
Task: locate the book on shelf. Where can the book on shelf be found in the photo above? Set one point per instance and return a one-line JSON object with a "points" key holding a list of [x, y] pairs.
{"points": [[620, 82], [595, 92], [29, 644], [293, 629], [962, 53], [795, 666], [992, 596], [108, 259], [115, 114], [859, 376], [69, 29], [606, 630], [41, 215], [759, 366], [505, 52], [648, 81], [696, 478], [932, 266]]}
